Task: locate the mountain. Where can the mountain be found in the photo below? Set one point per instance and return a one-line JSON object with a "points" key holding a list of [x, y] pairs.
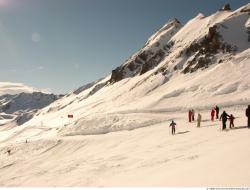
{"points": [[196, 65], [156, 48], [19, 103]]}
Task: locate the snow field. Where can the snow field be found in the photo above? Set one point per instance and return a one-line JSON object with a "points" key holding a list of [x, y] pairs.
{"points": [[143, 157]]}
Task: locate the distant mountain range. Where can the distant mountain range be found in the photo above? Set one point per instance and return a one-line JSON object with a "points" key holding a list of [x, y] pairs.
{"points": [[19, 103]]}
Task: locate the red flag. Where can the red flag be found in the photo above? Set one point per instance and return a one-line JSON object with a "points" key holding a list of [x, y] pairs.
{"points": [[70, 115]]}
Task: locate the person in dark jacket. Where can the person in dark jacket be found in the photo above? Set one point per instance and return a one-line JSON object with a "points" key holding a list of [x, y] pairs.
{"points": [[248, 116], [217, 110], [172, 125], [192, 114], [224, 116]]}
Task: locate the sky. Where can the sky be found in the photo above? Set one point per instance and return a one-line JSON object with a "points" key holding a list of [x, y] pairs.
{"points": [[61, 45]]}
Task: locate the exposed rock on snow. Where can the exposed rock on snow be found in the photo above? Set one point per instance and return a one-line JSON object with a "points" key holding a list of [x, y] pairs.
{"points": [[153, 52], [226, 7]]}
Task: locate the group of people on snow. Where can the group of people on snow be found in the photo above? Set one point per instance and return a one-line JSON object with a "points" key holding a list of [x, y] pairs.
{"points": [[214, 112], [224, 117]]}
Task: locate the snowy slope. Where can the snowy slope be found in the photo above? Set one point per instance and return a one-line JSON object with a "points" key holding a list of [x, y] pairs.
{"points": [[147, 157], [220, 79], [203, 63]]}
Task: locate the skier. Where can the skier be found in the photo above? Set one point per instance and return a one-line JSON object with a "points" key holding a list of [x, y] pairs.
{"points": [[199, 120], [248, 116], [217, 109], [231, 119], [173, 124], [192, 115], [212, 114], [224, 116], [189, 115]]}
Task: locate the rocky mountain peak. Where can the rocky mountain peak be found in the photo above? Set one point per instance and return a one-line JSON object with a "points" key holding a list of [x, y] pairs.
{"points": [[226, 7], [152, 53]]}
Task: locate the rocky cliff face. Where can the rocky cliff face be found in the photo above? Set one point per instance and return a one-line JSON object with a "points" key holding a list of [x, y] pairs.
{"points": [[155, 49], [197, 45]]}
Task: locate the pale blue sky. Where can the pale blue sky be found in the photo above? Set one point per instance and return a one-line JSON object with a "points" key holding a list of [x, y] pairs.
{"points": [[63, 44]]}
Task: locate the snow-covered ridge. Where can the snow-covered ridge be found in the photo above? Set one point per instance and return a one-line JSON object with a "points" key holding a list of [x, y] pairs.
{"points": [[21, 107], [213, 52], [25, 101], [198, 43], [155, 49]]}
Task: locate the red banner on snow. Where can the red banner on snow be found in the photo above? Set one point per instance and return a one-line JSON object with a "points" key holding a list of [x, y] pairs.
{"points": [[70, 116]]}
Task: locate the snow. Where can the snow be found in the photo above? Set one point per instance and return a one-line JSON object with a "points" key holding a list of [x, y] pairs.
{"points": [[119, 134], [164, 34], [234, 27], [140, 158]]}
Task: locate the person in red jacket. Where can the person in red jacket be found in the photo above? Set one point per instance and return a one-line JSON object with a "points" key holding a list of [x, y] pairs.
{"points": [[212, 114], [231, 119], [190, 115]]}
